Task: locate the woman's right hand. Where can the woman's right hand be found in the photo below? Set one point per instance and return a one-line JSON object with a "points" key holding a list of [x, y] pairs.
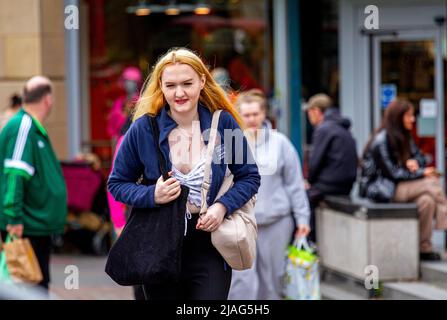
{"points": [[166, 191]]}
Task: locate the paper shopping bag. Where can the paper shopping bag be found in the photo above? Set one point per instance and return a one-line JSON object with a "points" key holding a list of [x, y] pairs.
{"points": [[21, 261]]}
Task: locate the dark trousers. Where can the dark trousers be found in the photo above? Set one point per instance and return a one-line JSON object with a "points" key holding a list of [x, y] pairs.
{"points": [[315, 196], [42, 246], [205, 274], [138, 293]]}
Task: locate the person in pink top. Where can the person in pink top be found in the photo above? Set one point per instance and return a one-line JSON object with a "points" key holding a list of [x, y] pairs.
{"points": [[117, 209], [118, 123], [130, 80]]}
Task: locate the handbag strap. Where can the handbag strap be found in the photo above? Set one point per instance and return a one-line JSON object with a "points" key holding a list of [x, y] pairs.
{"points": [[161, 158], [209, 158]]}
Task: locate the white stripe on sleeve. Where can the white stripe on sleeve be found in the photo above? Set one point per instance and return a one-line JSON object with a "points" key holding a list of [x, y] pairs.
{"points": [[22, 136], [17, 164]]}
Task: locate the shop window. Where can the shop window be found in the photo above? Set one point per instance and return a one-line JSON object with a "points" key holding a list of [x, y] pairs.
{"points": [[234, 39]]}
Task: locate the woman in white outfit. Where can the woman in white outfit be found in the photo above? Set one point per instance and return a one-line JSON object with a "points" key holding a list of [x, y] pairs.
{"points": [[281, 199]]}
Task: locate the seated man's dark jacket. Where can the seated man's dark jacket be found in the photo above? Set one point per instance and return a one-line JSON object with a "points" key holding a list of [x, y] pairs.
{"points": [[333, 159]]}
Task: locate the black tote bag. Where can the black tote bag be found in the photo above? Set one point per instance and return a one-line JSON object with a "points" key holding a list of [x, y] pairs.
{"points": [[148, 251]]}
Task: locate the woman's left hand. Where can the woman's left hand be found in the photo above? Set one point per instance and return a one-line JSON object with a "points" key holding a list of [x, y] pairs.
{"points": [[213, 218], [412, 165]]}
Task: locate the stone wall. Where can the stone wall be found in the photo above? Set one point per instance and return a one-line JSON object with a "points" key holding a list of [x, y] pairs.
{"points": [[31, 43]]}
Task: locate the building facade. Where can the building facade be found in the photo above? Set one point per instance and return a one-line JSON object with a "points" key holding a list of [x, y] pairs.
{"points": [[32, 42], [290, 49], [250, 39]]}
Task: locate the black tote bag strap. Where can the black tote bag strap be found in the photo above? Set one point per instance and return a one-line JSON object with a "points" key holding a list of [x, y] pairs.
{"points": [[161, 158]]}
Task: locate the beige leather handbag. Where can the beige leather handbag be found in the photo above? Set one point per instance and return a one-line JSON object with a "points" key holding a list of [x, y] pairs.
{"points": [[235, 238]]}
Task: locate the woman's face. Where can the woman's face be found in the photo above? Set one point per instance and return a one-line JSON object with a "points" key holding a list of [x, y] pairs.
{"points": [[181, 87], [252, 114], [408, 119]]}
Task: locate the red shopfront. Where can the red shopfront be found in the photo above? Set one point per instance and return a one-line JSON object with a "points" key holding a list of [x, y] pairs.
{"points": [[234, 36]]}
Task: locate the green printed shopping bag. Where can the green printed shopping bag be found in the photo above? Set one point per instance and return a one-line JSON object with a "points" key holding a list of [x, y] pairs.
{"points": [[302, 280]]}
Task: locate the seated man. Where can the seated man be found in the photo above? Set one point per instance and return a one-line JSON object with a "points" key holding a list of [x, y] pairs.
{"points": [[333, 157]]}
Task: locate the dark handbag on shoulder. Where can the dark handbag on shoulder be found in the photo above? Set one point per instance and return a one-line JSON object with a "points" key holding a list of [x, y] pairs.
{"points": [[372, 184], [149, 249]]}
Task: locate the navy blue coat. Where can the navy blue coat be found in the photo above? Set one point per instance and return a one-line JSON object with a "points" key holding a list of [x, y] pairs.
{"points": [[333, 160], [137, 156]]}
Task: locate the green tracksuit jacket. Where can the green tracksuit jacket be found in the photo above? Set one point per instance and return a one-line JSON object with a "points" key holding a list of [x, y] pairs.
{"points": [[32, 187]]}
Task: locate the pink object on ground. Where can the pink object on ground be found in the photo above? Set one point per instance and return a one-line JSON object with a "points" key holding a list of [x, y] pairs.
{"points": [[117, 209]]}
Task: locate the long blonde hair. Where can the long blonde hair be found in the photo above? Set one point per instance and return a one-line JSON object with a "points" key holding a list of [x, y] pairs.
{"points": [[212, 95]]}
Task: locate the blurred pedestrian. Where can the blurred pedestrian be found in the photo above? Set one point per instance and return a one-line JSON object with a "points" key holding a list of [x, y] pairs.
{"points": [[281, 199], [333, 157], [394, 169], [13, 108], [182, 95], [34, 202], [118, 118], [222, 78]]}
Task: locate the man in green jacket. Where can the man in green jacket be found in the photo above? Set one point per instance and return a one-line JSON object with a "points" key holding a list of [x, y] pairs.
{"points": [[34, 197]]}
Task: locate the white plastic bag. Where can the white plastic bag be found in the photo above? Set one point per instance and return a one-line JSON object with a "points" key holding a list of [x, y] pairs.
{"points": [[302, 280]]}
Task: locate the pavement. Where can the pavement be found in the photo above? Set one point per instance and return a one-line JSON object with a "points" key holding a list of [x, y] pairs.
{"points": [[92, 283], [82, 277]]}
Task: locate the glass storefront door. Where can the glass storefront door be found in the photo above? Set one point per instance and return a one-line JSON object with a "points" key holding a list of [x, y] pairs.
{"points": [[409, 65]]}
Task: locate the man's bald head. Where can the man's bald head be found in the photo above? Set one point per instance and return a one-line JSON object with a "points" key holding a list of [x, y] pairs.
{"points": [[36, 89]]}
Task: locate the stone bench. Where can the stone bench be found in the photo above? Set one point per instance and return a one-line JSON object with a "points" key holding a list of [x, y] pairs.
{"points": [[353, 233]]}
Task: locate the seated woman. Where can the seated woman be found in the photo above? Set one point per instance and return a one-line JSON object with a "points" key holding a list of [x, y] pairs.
{"points": [[393, 169]]}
